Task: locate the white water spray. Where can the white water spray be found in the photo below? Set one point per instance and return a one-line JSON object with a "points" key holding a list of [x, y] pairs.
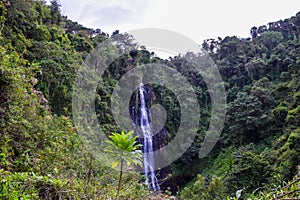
{"points": [[148, 159]]}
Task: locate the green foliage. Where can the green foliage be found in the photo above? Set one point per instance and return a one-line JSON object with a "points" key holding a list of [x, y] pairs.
{"points": [[3, 12], [271, 38], [246, 119], [42, 157], [280, 113], [28, 185], [293, 117], [285, 190], [224, 163], [296, 98], [294, 139], [204, 189], [123, 149], [249, 172]]}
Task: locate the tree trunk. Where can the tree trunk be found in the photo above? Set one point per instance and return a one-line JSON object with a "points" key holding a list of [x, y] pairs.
{"points": [[120, 179]]}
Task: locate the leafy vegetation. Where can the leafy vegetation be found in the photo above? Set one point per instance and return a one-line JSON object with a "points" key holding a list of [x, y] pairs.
{"points": [[123, 149], [42, 157]]}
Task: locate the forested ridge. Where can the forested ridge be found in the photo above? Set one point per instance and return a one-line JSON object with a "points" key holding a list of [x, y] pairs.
{"points": [[43, 157]]}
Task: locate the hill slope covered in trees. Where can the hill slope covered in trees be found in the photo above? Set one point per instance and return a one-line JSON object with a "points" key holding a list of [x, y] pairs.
{"points": [[42, 157]]}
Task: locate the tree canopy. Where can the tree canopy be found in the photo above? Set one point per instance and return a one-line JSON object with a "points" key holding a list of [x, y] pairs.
{"points": [[42, 156]]}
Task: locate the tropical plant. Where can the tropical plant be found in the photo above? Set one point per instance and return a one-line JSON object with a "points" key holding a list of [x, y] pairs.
{"points": [[122, 148]]}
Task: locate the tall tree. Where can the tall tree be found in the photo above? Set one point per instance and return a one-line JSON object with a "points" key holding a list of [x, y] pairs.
{"points": [[55, 11]]}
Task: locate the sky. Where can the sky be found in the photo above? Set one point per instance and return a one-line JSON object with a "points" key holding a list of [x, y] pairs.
{"points": [[196, 19]]}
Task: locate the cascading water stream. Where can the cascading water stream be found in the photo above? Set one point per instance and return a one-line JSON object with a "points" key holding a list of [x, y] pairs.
{"points": [[148, 159]]}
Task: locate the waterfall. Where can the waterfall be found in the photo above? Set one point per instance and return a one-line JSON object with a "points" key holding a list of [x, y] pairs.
{"points": [[148, 159]]}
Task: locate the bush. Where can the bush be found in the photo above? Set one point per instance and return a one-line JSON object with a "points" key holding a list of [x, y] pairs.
{"points": [[204, 189]]}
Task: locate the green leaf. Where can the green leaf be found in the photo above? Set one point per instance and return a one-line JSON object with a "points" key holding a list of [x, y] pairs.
{"points": [[115, 163]]}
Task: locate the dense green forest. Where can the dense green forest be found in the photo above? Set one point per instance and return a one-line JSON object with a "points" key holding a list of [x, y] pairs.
{"points": [[43, 157]]}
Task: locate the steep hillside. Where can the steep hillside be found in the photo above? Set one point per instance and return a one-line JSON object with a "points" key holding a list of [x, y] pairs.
{"points": [[43, 157]]}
